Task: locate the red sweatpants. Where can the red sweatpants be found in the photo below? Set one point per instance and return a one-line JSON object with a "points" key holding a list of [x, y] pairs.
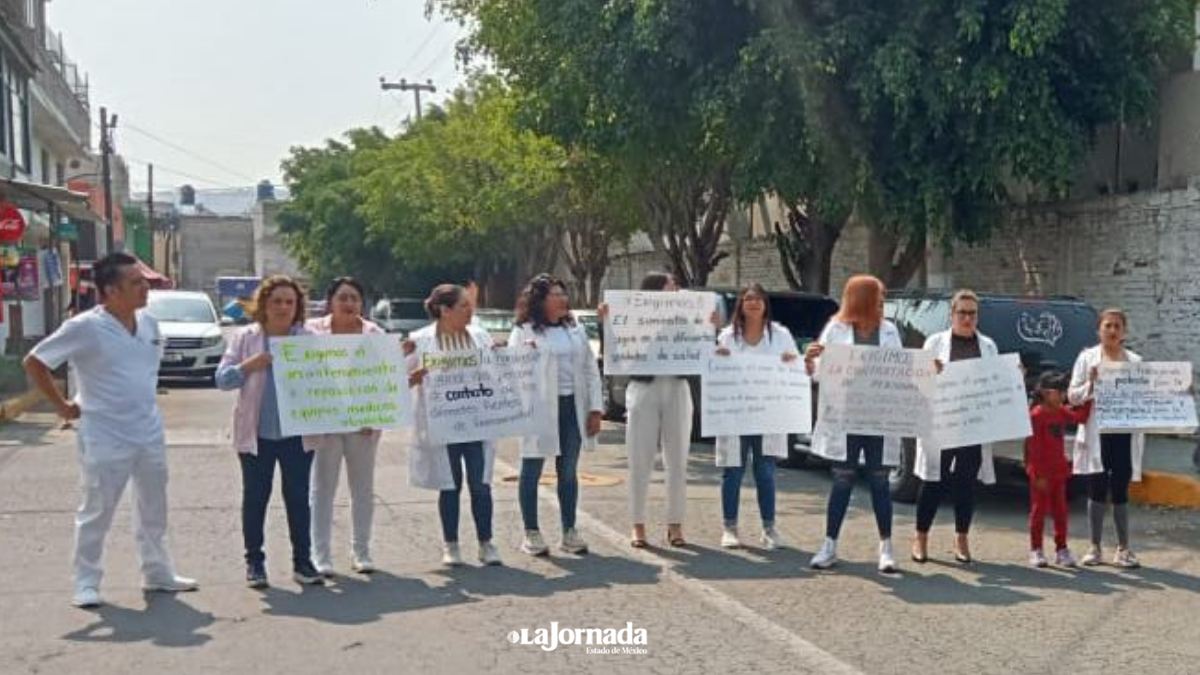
{"points": [[1052, 501]]}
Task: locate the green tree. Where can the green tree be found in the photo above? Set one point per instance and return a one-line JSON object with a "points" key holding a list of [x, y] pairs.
{"points": [[322, 224], [642, 84]]}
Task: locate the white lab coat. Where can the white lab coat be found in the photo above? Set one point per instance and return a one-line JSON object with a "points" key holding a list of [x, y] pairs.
{"points": [[729, 448], [928, 464], [832, 446], [586, 387], [1086, 456], [428, 462]]}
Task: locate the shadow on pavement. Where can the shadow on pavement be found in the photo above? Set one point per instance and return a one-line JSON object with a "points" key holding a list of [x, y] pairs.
{"points": [[585, 572], [166, 621], [360, 599]]}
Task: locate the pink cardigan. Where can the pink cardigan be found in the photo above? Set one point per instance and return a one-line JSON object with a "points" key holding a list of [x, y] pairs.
{"points": [[323, 326], [246, 343]]}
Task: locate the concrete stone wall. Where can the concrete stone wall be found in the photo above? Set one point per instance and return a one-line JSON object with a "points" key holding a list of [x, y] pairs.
{"points": [[213, 246]]}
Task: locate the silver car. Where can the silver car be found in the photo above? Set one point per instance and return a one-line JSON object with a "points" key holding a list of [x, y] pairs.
{"points": [[194, 340]]}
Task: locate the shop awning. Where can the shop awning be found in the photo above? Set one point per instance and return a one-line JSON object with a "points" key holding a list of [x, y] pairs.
{"points": [[151, 275], [38, 197]]}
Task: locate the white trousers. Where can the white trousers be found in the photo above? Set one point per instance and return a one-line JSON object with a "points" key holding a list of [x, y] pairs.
{"points": [[659, 415], [358, 451], [102, 482]]}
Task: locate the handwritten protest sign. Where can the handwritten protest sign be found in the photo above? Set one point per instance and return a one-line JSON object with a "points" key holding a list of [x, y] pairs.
{"points": [[744, 394], [877, 391], [485, 394], [1146, 397], [658, 333], [340, 383], [980, 401]]}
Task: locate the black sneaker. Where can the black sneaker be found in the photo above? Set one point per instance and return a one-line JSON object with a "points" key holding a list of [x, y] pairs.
{"points": [[305, 573], [256, 575]]}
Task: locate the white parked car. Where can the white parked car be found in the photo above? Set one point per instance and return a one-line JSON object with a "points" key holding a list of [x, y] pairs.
{"points": [[194, 341]]}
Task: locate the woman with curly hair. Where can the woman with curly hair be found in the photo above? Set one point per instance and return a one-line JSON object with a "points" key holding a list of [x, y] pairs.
{"points": [[573, 398]]}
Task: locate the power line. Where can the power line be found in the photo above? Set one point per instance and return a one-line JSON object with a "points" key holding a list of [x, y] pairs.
{"points": [[438, 59], [437, 27], [138, 130], [182, 174]]}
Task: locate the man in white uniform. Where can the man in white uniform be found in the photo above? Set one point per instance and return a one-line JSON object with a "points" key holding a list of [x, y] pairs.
{"points": [[114, 350]]}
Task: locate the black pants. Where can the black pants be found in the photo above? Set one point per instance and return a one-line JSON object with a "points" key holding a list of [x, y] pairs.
{"points": [[960, 468], [258, 476], [1116, 454]]}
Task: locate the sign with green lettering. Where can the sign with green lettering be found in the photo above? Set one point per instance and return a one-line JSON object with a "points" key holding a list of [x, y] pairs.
{"points": [[340, 383]]}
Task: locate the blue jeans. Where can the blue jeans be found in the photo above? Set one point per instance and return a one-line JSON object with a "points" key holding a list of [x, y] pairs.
{"points": [[565, 465], [764, 482], [258, 476], [844, 474], [470, 454]]}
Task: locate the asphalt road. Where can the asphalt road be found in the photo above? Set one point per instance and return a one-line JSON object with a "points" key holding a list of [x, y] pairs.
{"points": [[703, 609]]}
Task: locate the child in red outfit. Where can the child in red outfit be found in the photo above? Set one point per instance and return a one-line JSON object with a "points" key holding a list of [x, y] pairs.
{"points": [[1048, 467]]}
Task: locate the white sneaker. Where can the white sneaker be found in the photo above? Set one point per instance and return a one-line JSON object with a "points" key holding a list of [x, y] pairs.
{"points": [[887, 558], [362, 564], [175, 584], [1093, 557], [1126, 559], [827, 556], [451, 555], [1063, 558], [572, 542], [1037, 558], [488, 555], [324, 569], [729, 538], [87, 598], [771, 539], [533, 544]]}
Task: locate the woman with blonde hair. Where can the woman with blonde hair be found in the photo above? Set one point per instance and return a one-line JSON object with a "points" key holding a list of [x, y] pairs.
{"points": [[860, 322], [257, 433]]}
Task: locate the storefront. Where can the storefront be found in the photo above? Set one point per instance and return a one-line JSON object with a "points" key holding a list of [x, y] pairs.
{"points": [[39, 228]]}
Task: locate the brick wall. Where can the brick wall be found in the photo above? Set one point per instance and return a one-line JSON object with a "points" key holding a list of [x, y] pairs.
{"points": [[1139, 252]]}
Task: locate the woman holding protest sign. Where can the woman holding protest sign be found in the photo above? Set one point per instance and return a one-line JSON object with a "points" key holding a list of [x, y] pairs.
{"points": [[658, 413], [441, 467], [572, 396], [960, 467], [257, 433], [345, 301], [751, 331], [1109, 460], [860, 322]]}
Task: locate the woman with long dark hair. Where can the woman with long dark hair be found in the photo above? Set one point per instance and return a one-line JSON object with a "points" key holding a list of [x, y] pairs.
{"points": [[573, 398], [751, 331]]}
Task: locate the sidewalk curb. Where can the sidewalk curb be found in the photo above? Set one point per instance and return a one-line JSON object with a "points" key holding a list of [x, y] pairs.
{"points": [[12, 408], [1159, 488]]}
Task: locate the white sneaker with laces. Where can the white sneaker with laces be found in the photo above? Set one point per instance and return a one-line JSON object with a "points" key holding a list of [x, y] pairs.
{"points": [[488, 555], [887, 558], [1063, 558], [1093, 557], [533, 543], [771, 539], [175, 584], [572, 542], [451, 555], [1037, 558], [1126, 559], [87, 598], [729, 537], [362, 564], [827, 556]]}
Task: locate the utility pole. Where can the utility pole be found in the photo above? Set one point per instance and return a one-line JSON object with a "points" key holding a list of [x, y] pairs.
{"points": [[107, 124], [150, 208], [416, 88]]}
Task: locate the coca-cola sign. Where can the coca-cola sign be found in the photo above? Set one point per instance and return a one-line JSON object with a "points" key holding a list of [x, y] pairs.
{"points": [[12, 224]]}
